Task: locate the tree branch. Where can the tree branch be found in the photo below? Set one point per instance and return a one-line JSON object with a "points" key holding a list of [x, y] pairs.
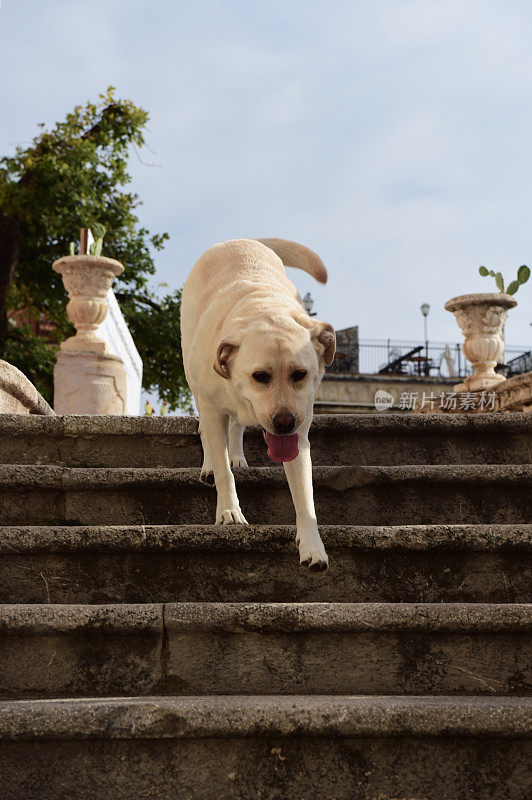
{"points": [[92, 132], [122, 296], [10, 237]]}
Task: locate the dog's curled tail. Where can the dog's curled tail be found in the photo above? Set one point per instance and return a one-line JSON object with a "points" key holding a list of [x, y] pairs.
{"points": [[299, 256]]}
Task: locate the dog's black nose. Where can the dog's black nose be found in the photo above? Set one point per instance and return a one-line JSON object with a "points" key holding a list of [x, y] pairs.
{"points": [[284, 423]]}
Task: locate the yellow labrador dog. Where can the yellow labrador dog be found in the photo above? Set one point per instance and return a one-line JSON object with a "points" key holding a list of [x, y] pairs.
{"points": [[253, 355]]}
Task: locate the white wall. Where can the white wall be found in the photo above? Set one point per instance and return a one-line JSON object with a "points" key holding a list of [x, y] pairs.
{"points": [[115, 333]]}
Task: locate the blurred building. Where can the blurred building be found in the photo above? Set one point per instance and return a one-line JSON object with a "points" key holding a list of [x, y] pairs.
{"points": [[372, 375]]}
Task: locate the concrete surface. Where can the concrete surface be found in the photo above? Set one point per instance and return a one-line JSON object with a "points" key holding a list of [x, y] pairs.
{"points": [[388, 439], [427, 494], [408, 563], [268, 648], [125, 589], [236, 748]]}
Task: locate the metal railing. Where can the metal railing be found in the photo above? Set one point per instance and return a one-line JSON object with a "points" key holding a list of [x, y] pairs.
{"points": [[415, 358], [518, 365]]}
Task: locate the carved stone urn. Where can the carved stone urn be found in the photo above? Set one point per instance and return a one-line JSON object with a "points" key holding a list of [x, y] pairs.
{"points": [[87, 280], [88, 379], [481, 318]]}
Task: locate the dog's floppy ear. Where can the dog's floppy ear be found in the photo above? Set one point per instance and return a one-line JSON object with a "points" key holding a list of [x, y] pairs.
{"points": [[323, 333], [223, 354]]}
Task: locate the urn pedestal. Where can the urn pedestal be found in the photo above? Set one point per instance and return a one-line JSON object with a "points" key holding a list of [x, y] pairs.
{"points": [[481, 318], [88, 379]]}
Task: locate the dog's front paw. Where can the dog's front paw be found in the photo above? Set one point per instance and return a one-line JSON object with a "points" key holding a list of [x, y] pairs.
{"points": [[312, 553], [230, 516]]}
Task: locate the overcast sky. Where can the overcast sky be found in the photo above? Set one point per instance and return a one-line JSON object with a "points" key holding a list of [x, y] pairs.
{"points": [[394, 138]]}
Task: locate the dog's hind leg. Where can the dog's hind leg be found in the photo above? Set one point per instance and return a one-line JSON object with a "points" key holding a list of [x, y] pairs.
{"points": [[235, 443], [207, 471], [213, 433]]}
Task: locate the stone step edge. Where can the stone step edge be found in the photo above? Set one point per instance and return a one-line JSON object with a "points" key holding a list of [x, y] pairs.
{"points": [[338, 478], [261, 716], [17, 539], [188, 426], [276, 618]]}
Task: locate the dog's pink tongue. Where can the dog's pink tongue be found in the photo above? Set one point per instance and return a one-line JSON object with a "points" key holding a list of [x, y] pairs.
{"points": [[282, 448]]}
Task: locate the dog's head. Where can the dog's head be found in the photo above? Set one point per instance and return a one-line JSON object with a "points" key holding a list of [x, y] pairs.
{"points": [[275, 366]]}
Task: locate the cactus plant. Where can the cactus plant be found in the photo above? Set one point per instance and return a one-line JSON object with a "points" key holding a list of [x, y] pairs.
{"points": [[96, 247], [523, 274]]}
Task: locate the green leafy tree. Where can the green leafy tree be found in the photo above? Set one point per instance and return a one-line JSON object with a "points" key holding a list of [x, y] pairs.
{"points": [[73, 176]]}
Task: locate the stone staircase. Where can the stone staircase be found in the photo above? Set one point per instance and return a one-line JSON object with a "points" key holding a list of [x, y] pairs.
{"points": [[146, 653]]}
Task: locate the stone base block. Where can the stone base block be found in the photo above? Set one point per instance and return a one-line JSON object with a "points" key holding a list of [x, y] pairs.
{"points": [[89, 383], [477, 383]]}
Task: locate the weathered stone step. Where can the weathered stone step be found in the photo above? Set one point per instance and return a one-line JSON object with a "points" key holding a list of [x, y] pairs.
{"points": [[385, 439], [139, 564], [197, 748], [494, 494], [271, 648]]}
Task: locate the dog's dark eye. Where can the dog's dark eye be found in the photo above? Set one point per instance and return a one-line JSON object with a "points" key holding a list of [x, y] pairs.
{"points": [[261, 377], [298, 375]]}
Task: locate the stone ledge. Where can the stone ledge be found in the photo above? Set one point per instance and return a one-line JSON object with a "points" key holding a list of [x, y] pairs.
{"points": [[374, 424], [49, 539], [18, 395], [259, 716], [512, 396], [282, 618], [337, 478], [56, 619], [515, 394], [127, 619]]}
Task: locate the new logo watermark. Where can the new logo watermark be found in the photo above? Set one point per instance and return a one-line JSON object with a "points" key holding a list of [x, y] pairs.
{"points": [[383, 400]]}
